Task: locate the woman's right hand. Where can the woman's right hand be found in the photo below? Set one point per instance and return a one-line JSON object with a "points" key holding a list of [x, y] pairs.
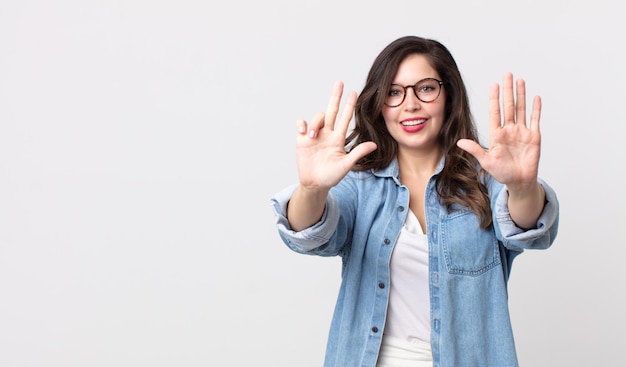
{"points": [[320, 145], [322, 159]]}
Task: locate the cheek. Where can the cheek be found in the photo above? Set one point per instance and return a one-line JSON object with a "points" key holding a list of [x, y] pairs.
{"points": [[388, 114], [442, 112], [439, 110], [442, 105]]}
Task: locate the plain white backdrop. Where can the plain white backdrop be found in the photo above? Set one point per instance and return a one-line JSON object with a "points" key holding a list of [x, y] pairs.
{"points": [[140, 142]]}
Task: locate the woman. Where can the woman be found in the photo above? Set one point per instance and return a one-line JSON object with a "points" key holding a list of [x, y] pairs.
{"points": [[426, 221]]}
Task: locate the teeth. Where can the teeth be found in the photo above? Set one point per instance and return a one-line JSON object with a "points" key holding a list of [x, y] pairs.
{"points": [[413, 122]]}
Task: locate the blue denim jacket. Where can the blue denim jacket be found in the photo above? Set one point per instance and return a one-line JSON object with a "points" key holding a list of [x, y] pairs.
{"points": [[469, 267]]}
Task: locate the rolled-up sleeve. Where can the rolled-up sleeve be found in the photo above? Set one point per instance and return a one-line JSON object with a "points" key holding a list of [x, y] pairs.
{"points": [[310, 238], [540, 237]]}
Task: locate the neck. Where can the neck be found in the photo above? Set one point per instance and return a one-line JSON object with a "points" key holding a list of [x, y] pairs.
{"points": [[421, 164]]}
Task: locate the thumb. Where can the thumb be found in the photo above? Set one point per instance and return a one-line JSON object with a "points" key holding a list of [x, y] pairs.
{"points": [[472, 148], [361, 151]]}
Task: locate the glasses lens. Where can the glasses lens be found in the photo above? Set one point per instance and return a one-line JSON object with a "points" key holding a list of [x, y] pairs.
{"points": [[395, 96], [427, 90]]}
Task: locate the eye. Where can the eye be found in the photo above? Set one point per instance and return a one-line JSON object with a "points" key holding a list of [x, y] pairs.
{"points": [[428, 86], [395, 91]]}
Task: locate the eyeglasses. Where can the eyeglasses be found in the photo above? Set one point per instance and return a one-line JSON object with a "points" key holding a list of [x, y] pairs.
{"points": [[426, 90]]}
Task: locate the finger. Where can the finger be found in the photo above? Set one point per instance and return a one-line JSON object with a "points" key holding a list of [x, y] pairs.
{"points": [[472, 148], [333, 105], [495, 119], [361, 151], [301, 126], [317, 123], [508, 101], [347, 113], [535, 115], [520, 103]]}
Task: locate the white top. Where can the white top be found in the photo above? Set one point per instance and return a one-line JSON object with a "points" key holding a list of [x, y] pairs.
{"points": [[408, 313]]}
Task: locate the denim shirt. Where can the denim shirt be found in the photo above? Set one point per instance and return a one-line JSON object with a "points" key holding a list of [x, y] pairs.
{"points": [[468, 267]]}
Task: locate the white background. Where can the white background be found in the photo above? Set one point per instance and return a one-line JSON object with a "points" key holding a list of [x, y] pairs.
{"points": [[140, 142]]}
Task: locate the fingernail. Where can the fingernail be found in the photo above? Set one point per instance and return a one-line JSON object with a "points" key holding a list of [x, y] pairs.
{"points": [[312, 134], [301, 130]]}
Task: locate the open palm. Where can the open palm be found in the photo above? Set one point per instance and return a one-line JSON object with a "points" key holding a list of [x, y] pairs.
{"points": [[514, 146], [320, 145]]}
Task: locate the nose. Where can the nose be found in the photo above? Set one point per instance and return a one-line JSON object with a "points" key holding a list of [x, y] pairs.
{"points": [[411, 102]]}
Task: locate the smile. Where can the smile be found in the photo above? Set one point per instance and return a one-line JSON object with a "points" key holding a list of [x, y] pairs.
{"points": [[413, 122]]}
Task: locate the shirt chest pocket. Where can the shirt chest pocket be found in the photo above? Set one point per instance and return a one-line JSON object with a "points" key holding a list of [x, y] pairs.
{"points": [[467, 248]]}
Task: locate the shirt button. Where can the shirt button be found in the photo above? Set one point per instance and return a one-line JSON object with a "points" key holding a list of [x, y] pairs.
{"points": [[375, 329], [400, 208], [387, 241], [381, 285]]}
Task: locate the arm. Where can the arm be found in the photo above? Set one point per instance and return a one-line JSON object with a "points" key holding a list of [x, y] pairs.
{"points": [[526, 205], [305, 207]]}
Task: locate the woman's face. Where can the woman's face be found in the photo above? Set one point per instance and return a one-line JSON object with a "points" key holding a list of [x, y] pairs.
{"points": [[414, 124]]}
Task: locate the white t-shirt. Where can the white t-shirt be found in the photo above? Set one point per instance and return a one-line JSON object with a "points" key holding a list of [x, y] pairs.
{"points": [[408, 313]]}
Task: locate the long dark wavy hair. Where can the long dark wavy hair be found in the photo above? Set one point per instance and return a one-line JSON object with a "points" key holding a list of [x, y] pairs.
{"points": [[460, 180]]}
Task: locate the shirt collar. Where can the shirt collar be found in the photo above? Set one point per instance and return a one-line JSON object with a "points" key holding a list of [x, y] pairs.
{"points": [[393, 170]]}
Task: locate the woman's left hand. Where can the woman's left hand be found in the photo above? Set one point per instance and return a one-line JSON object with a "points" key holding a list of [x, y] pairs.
{"points": [[514, 146]]}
